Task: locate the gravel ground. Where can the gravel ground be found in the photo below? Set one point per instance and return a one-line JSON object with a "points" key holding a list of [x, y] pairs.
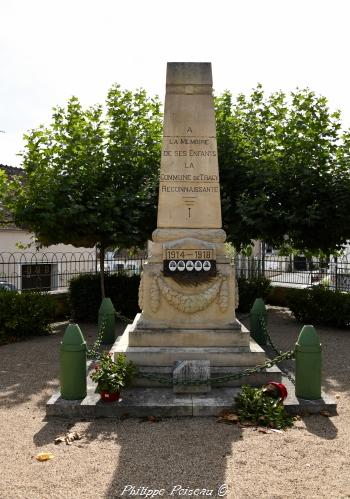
{"points": [[309, 460]]}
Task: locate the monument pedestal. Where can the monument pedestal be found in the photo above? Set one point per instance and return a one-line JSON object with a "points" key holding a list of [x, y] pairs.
{"points": [[157, 351], [188, 292], [185, 319]]}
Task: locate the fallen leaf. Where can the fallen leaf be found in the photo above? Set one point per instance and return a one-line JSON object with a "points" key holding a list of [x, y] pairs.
{"points": [[276, 431], [337, 396], [228, 417], [247, 423], [263, 430], [231, 417], [326, 414], [44, 456], [223, 413], [58, 440], [69, 437], [151, 419]]}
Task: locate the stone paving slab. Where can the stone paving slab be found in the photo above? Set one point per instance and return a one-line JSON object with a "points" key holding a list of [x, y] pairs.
{"points": [[295, 405], [163, 402]]}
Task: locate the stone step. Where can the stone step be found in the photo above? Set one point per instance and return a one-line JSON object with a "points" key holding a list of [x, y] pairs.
{"points": [[139, 402], [166, 356], [257, 379], [187, 337]]}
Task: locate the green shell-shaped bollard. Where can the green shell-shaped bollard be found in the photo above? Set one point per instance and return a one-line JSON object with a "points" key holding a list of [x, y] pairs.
{"points": [[308, 364], [106, 319], [73, 364], [258, 314]]}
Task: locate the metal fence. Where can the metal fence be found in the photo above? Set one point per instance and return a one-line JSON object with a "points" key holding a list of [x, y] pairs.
{"points": [[53, 271], [297, 271]]}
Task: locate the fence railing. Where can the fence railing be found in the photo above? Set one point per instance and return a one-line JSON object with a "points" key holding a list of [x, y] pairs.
{"points": [[297, 272], [53, 271]]}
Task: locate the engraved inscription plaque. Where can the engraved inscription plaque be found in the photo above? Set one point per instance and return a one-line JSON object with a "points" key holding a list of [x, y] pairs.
{"points": [[189, 189]]}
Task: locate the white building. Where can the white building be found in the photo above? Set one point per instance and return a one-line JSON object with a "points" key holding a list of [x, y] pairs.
{"points": [[25, 266]]}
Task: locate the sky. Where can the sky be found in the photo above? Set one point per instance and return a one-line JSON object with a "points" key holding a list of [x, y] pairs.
{"points": [[51, 50]]}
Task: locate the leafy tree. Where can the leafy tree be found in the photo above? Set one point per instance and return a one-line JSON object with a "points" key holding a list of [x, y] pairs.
{"points": [[284, 170], [2, 193], [91, 175]]}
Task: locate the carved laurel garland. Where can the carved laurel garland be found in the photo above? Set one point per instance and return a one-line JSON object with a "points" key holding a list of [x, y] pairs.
{"points": [[141, 292], [223, 295], [190, 303], [155, 295]]}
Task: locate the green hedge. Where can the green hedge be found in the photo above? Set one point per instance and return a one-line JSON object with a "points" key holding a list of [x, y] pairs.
{"points": [[320, 305], [250, 289], [61, 307], [278, 296], [85, 295], [24, 314]]}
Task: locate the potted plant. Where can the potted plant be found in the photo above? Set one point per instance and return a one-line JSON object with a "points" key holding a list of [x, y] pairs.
{"points": [[111, 376]]}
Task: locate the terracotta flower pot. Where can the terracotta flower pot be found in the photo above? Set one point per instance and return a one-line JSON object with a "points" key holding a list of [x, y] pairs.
{"points": [[109, 397]]}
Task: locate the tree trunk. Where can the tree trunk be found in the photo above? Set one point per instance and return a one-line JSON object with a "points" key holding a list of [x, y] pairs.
{"points": [[263, 257], [102, 271]]}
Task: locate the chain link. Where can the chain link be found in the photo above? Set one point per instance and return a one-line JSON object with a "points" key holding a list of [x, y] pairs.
{"points": [[269, 339], [93, 352], [215, 380], [219, 379]]}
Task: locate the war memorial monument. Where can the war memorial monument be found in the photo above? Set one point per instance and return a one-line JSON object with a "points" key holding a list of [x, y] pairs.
{"points": [[189, 347], [188, 291]]}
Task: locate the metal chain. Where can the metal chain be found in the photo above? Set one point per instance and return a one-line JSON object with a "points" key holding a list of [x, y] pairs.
{"points": [[220, 379], [269, 339], [93, 352]]}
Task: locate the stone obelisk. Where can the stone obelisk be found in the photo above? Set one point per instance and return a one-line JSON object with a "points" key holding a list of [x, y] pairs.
{"points": [[187, 289], [191, 283], [189, 190]]}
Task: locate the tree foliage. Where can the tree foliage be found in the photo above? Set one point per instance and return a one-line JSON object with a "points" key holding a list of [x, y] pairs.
{"points": [[3, 186], [91, 174], [284, 170]]}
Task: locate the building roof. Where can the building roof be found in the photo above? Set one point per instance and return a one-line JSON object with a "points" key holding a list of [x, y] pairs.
{"points": [[12, 171]]}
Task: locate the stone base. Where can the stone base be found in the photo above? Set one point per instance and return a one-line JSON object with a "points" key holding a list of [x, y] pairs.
{"points": [[156, 351], [167, 356], [163, 402], [258, 379], [139, 336]]}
